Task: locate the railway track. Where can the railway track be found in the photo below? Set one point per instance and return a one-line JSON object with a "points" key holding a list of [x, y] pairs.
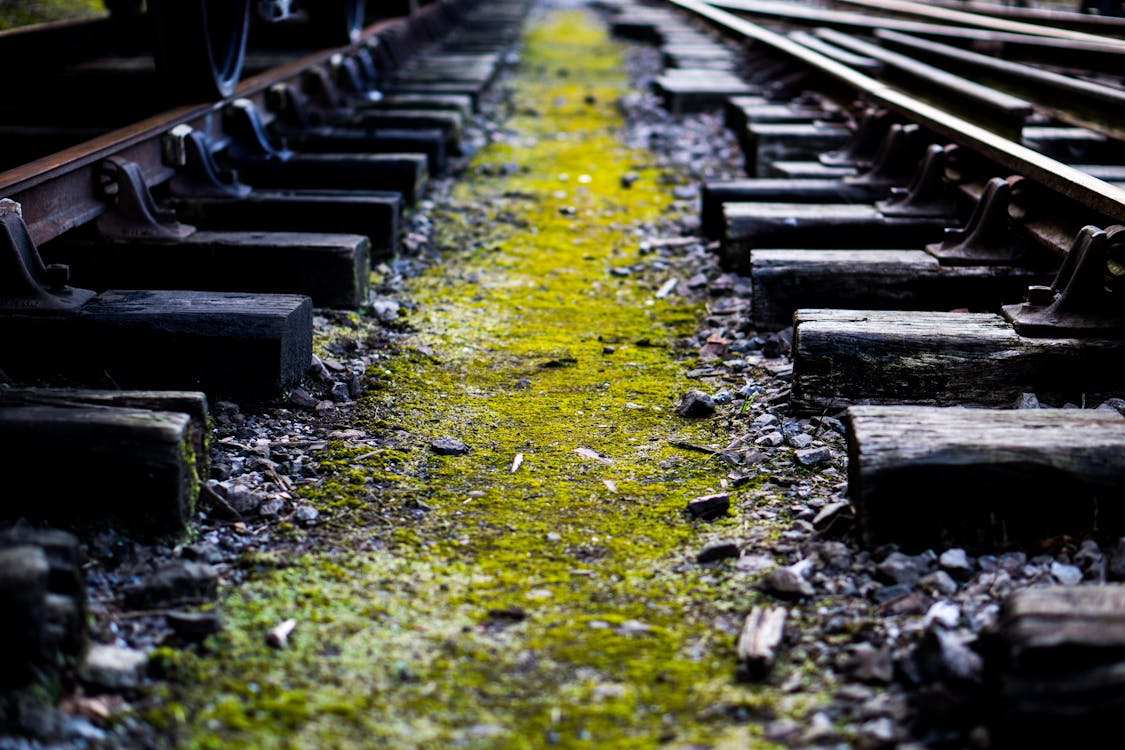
{"points": [[932, 217]]}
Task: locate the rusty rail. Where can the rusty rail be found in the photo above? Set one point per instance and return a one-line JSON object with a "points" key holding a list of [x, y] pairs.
{"points": [[59, 192], [1058, 177]]}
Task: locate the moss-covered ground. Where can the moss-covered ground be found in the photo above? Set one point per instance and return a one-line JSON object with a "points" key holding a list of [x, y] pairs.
{"points": [[23, 12], [474, 600]]}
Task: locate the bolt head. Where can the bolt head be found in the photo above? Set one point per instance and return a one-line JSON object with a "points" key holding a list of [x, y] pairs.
{"points": [[58, 275], [1040, 296]]}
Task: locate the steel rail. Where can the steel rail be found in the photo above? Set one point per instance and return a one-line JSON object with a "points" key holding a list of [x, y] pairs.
{"points": [[1061, 178], [965, 18], [1083, 100], [1049, 16], [1001, 43], [59, 192], [952, 18]]}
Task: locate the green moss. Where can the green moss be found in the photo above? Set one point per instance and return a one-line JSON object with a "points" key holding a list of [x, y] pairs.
{"points": [[555, 604], [20, 13]]}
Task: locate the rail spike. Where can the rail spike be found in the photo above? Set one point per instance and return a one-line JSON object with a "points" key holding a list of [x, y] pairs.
{"points": [[198, 176], [927, 194], [897, 157], [869, 134], [987, 239], [26, 284], [131, 212], [243, 122], [1080, 302]]}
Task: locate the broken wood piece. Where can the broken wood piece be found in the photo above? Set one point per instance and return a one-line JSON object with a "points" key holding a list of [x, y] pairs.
{"points": [[689, 446], [760, 637], [845, 357], [785, 280], [983, 478], [278, 637]]}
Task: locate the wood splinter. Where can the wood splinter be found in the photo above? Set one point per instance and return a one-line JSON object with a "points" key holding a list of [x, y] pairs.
{"points": [[761, 635], [278, 637]]}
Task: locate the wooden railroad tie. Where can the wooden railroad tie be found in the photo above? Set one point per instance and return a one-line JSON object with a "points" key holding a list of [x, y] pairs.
{"points": [[930, 476]]}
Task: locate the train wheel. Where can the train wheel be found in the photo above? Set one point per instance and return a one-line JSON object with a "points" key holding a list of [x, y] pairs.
{"points": [[200, 46], [337, 22]]}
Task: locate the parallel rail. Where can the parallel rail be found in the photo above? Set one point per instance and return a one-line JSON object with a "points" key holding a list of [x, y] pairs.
{"points": [[1096, 194]]}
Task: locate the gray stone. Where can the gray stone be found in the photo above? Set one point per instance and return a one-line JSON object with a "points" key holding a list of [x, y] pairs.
{"points": [[1027, 401], [301, 398], [696, 405], [942, 655], [194, 626], [318, 371], [770, 439], [722, 397], [1068, 575], [1113, 404], [900, 568], [801, 440], [939, 582], [874, 666], [720, 550], [878, 733], [449, 447], [341, 392], [174, 584], [244, 500], [272, 507], [755, 563], [709, 507], [786, 583], [113, 668], [811, 457], [306, 514], [1115, 568], [956, 563]]}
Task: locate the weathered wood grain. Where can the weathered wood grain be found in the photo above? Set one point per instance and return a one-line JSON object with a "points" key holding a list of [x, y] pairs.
{"points": [[924, 476], [846, 357], [755, 190], [375, 215], [191, 403], [816, 225], [1055, 666], [97, 464], [760, 638], [400, 172], [785, 280], [332, 269], [766, 142]]}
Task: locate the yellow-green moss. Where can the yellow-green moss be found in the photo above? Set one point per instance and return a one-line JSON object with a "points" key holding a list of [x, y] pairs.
{"points": [[416, 639], [20, 13]]}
